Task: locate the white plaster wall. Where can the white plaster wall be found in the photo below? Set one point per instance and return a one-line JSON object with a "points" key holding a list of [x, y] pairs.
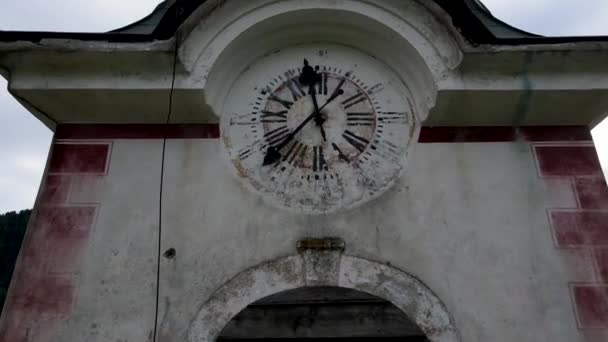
{"points": [[116, 296], [468, 220]]}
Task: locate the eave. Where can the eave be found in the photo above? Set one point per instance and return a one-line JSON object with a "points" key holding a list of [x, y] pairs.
{"points": [[516, 62]]}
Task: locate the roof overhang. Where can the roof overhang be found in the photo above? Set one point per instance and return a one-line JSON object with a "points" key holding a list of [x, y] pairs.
{"points": [[468, 67]]}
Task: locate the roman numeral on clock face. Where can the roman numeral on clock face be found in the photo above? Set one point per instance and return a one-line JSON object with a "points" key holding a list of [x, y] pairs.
{"points": [[318, 161], [296, 89], [385, 149], [270, 117], [393, 118], [353, 100], [358, 142], [359, 119], [296, 152], [277, 135], [323, 84], [245, 153], [284, 103], [253, 148]]}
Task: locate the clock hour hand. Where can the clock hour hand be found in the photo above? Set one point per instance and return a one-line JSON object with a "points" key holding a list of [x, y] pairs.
{"points": [[309, 77], [273, 153], [319, 120], [323, 135]]}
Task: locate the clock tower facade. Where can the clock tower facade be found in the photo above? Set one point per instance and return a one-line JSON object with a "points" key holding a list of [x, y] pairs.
{"points": [[283, 169]]}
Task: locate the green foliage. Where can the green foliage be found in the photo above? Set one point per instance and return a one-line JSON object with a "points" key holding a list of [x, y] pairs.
{"points": [[12, 230]]}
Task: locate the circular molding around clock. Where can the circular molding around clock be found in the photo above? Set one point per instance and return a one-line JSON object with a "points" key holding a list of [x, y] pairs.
{"points": [[412, 37]]}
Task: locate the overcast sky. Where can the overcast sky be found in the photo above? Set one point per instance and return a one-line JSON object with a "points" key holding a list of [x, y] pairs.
{"points": [[24, 142]]}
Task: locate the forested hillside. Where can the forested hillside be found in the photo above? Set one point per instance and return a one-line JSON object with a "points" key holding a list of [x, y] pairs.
{"points": [[12, 229]]}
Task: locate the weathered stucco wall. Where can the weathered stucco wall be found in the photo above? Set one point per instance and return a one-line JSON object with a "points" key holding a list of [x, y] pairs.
{"points": [[141, 224], [507, 233], [87, 268]]}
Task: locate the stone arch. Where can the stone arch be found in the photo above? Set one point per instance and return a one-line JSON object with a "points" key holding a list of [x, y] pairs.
{"points": [[323, 268]]}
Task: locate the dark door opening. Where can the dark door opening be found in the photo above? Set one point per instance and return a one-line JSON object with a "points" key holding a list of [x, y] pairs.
{"points": [[321, 313]]}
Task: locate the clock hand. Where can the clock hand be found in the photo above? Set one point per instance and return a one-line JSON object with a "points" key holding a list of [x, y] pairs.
{"points": [[311, 78], [339, 87], [323, 135], [273, 154], [319, 120]]}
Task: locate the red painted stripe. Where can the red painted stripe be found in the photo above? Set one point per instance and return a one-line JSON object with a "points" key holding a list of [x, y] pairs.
{"points": [[574, 229], [57, 239], [592, 192], [555, 133], [591, 302], [37, 296], [64, 222], [466, 134], [565, 161], [55, 190], [79, 158], [504, 134], [137, 131], [427, 134], [601, 255]]}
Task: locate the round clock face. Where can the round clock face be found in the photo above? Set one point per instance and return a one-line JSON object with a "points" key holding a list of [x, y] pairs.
{"points": [[318, 129]]}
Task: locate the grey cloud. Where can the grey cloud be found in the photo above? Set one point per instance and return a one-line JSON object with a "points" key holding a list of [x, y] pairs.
{"points": [[553, 17], [24, 145], [72, 15], [24, 141]]}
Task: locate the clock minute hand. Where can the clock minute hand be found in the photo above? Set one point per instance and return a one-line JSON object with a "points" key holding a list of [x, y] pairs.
{"points": [[273, 155], [318, 118]]}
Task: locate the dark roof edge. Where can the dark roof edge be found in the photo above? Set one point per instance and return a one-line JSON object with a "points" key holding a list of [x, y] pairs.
{"points": [[477, 24], [37, 36], [470, 17], [494, 24], [164, 30], [160, 9]]}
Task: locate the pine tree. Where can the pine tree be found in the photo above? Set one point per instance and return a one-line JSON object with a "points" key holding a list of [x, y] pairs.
{"points": [[12, 230]]}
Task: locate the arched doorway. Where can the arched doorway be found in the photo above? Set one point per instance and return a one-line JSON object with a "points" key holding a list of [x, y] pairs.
{"points": [[322, 268], [321, 313]]}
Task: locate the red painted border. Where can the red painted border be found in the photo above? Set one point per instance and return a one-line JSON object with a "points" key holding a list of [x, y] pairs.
{"points": [[79, 158], [46, 280], [427, 134], [137, 131], [504, 134]]}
